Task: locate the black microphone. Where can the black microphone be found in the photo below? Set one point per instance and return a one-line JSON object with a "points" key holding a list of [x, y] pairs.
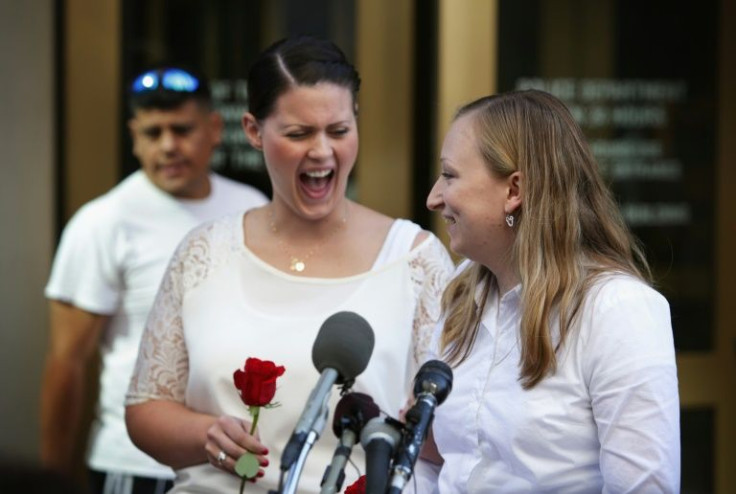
{"points": [[341, 352], [432, 384], [379, 438], [351, 414]]}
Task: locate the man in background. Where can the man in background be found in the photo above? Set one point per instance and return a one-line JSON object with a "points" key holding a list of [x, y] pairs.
{"points": [[108, 267]]}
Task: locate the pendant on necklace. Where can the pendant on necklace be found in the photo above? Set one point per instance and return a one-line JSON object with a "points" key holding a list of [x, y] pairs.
{"points": [[297, 265]]}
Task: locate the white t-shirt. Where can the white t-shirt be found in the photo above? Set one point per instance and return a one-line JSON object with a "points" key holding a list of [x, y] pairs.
{"points": [[111, 258], [606, 421], [220, 304]]}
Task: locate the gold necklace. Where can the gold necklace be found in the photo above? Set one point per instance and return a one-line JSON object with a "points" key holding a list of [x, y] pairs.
{"points": [[299, 263]]}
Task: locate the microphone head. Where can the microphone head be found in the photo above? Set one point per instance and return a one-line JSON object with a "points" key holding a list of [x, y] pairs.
{"points": [[352, 412], [344, 343], [434, 377], [379, 428]]}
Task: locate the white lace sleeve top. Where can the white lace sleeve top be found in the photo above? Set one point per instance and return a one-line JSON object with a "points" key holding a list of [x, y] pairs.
{"points": [[220, 304]]}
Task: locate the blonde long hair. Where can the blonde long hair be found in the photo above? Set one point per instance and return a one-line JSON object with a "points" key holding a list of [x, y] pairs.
{"points": [[569, 228]]}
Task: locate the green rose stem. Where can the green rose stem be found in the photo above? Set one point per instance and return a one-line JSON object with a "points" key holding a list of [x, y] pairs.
{"points": [[256, 412], [247, 465]]}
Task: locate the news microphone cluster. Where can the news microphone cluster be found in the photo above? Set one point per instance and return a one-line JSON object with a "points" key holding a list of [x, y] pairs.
{"points": [[340, 353]]}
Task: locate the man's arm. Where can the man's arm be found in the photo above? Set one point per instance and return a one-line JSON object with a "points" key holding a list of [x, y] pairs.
{"points": [[74, 337]]}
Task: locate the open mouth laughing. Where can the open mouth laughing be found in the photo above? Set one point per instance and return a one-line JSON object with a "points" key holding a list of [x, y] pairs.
{"points": [[316, 183]]}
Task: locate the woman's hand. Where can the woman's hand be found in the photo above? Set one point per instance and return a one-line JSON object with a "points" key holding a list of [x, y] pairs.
{"points": [[228, 438]]}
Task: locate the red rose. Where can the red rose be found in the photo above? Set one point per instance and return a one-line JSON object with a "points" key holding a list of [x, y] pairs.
{"points": [[257, 381], [357, 487]]}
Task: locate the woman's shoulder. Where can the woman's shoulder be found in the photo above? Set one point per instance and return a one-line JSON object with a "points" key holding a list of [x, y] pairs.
{"points": [[381, 223], [227, 223], [625, 327], [370, 219], [428, 253], [621, 309], [212, 235], [616, 288]]}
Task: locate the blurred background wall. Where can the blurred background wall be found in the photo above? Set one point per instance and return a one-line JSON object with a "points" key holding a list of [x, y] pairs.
{"points": [[27, 220], [652, 83]]}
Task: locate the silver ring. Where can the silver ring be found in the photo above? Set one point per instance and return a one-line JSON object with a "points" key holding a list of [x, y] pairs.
{"points": [[221, 457]]}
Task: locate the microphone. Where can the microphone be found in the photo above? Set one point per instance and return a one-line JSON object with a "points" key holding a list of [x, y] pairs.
{"points": [[351, 413], [341, 352], [432, 384], [379, 438]]}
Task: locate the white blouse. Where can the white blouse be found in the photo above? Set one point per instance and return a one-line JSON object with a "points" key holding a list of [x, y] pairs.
{"points": [[606, 421]]}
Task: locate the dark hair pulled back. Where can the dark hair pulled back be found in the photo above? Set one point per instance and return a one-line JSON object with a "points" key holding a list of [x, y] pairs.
{"points": [[297, 61]]}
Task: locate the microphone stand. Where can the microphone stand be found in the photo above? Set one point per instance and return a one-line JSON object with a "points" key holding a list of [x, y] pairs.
{"points": [[295, 470]]}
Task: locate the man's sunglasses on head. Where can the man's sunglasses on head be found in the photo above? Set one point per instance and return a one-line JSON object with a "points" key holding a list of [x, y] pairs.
{"points": [[177, 80]]}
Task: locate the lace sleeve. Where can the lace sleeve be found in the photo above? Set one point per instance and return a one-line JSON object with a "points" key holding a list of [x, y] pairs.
{"points": [[162, 368], [431, 268]]}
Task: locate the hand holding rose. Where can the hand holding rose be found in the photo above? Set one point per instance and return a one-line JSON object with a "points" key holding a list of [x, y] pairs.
{"points": [[228, 439]]}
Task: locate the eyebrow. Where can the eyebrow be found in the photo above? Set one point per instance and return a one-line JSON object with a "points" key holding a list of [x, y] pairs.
{"points": [[309, 126]]}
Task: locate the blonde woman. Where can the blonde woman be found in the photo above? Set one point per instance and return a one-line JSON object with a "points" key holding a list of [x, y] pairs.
{"points": [[562, 352]]}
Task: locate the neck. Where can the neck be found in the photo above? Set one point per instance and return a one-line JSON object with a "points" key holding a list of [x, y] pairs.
{"points": [[284, 222], [506, 274]]}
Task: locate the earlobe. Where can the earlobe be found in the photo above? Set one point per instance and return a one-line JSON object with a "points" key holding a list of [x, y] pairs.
{"points": [[252, 130]]}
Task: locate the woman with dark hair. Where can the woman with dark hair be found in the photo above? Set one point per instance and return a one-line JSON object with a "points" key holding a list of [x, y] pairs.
{"points": [[260, 284], [562, 353]]}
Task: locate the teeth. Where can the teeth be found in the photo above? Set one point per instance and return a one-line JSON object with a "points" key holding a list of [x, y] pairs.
{"points": [[448, 220], [318, 173]]}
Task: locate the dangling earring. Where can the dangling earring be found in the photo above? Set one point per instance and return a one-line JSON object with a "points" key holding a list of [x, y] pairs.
{"points": [[510, 220]]}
